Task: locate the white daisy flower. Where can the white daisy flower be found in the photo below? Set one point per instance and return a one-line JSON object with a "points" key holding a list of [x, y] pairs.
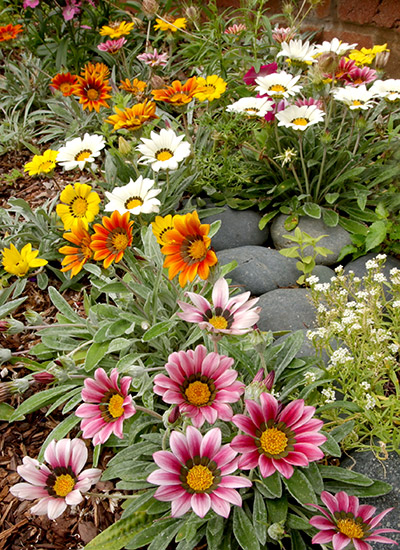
{"points": [[164, 150], [388, 89], [355, 97], [300, 118], [335, 45], [278, 85], [298, 52], [79, 151], [136, 197], [251, 106]]}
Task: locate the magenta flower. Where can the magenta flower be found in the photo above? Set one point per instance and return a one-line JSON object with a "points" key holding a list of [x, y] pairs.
{"points": [[201, 384], [72, 8], [251, 75], [196, 474], [30, 4], [347, 522], [225, 315], [360, 75], [112, 46], [309, 101], [107, 406], [61, 483], [154, 59], [278, 437]]}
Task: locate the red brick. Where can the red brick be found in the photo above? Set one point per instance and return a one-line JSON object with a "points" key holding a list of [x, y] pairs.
{"points": [[358, 11], [323, 10], [388, 14]]}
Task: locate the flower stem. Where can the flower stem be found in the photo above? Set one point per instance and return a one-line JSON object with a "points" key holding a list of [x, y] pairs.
{"points": [[148, 411]]}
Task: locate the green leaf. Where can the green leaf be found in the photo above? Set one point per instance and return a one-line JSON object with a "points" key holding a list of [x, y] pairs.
{"points": [[95, 354], [260, 518], [291, 346], [296, 522], [42, 280], [6, 411], [59, 432], [330, 446], [62, 305], [165, 537], [376, 235], [137, 504], [290, 252], [330, 218], [114, 288], [344, 475], [243, 530], [346, 405], [214, 228], [331, 197], [340, 432], [314, 476], [377, 489], [119, 534], [118, 328], [36, 401], [311, 209], [297, 541], [273, 484], [277, 509], [353, 226], [147, 535], [157, 330], [14, 304], [265, 219], [300, 488], [215, 532]]}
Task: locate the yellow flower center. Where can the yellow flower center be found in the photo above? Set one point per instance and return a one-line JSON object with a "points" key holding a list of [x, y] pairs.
{"points": [[133, 202], [300, 121], [46, 166], [356, 102], [199, 478], [350, 528], [63, 485], [277, 88], [198, 393], [217, 321], [79, 207], [164, 154], [115, 407], [252, 110], [92, 94], [197, 250], [83, 155], [120, 241], [179, 97], [273, 441], [65, 87]]}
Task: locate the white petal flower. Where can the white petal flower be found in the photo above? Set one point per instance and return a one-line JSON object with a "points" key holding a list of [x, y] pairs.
{"points": [[300, 118], [164, 150], [388, 89], [355, 97], [136, 197], [335, 45], [79, 151], [251, 106], [278, 85], [298, 52]]}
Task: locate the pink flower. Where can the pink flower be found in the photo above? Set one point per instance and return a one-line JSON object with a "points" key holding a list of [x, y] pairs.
{"points": [[154, 59], [278, 437], [235, 29], [201, 384], [347, 523], [30, 4], [358, 76], [112, 46], [309, 101], [72, 8], [251, 75], [225, 315], [343, 70], [107, 406], [276, 108], [61, 483], [196, 474], [281, 34]]}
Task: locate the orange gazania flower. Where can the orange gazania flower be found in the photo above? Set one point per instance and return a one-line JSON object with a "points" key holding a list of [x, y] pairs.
{"points": [[133, 118], [136, 87], [178, 93], [92, 92], [188, 249], [9, 32], [96, 69], [111, 239], [76, 256], [64, 82]]}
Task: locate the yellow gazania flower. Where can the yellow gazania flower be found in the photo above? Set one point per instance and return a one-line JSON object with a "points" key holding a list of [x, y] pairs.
{"points": [[116, 30], [214, 86], [19, 263], [42, 164], [81, 203], [136, 87], [160, 226], [133, 118], [366, 56], [96, 69], [173, 25]]}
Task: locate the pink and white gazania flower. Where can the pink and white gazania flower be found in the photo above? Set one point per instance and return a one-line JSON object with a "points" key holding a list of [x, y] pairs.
{"points": [[235, 29], [355, 97], [388, 89], [278, 85], [309, 101], [107, 406], [225, 315], [348, 524], [283, 34], [278, 438], [197, 474], [59, 484], [201, 384], [360, 75], [112, 46], [300, 118], [153, 59], [298, 52]]}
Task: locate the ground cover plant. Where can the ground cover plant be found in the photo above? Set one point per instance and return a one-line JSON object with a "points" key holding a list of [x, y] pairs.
{"points": [[215, 434]]}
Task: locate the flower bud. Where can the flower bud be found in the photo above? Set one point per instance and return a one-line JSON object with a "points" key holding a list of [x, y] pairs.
{"points": [[19, 385], [174, 415], [381, 60], [277, 531], [135, 371], [192, 13], [11, 326], [33, 318], [5, 355], [124, 147], [43, 377], [150, 7], [328, 62], [157, 82]]}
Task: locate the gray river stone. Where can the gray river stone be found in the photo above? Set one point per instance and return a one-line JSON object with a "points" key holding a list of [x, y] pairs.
{"points": [[238, 228], [260, 269], [359, 269], [286, 309], [336, 239], [324, 273]]}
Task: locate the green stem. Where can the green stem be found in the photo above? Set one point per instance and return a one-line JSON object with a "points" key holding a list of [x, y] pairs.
{"points": [[296, 177], [148, 411], [303, 164], [321, 172]]}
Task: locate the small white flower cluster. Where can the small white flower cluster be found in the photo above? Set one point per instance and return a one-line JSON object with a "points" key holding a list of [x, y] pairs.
{"points": [[396, 304], [317, 333], [322, 287], [379, 278], [310, 377], [370, 401], [365, 385], [321, 309], [395, 276], [371, 264], [312, 280], [329, 395], [394, 347], [341, 356]]}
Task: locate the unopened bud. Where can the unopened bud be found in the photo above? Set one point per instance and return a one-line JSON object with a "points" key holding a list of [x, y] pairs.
{"points": [[192, 13], [11, 326], [44, 377], [381, 60], [20, 385], [328, 62], [145, 325], [174, 415], [33, 318], [150, 7], [157, 82], [287, 8], [5, 355], [326, 137], [124, 147], [4, 325], [135, 371], [277, 530]]}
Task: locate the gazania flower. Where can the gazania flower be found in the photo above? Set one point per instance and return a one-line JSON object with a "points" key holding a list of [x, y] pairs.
{"points": [[112, 46], [278, 85], [107, 405], [178, 93], [160, 227], [343, 70], [335, 45], [346, 523], [214, 86], [133, 118], [235, 29], [136, 87], [355, 97], [92, 91], [360, 75], [154, 59], [164, 150], [42, 164], [283, 34], [251, 75], [76, 256], [111, 239], [278, 438], [366, 56], [30, 4], [225, 315], [116, 30], [96, 69], [252, 106], [9, 32], [388, 89], [64, 82], [298, 52], [300, 118], [80, 151], [81, 203], [197, 474], [19, 263], [172, 25], [309, 101], [201, 384], [59, 484], [136, 197], [188, 249]]}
